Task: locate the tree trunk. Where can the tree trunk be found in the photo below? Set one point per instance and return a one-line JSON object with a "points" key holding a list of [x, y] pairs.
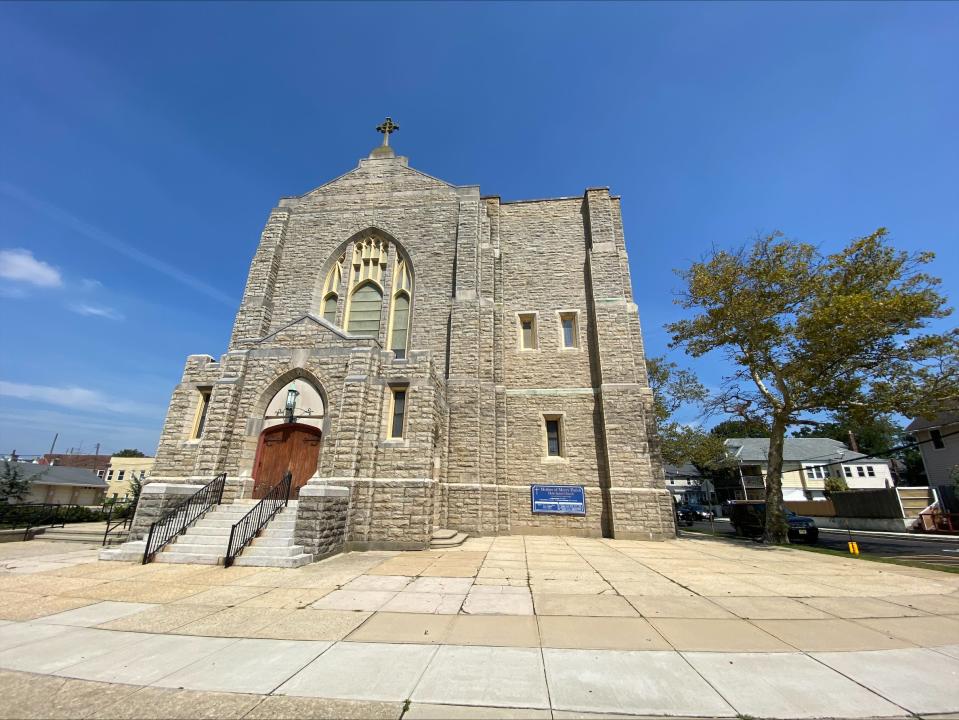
{"points": [[777, 529]]}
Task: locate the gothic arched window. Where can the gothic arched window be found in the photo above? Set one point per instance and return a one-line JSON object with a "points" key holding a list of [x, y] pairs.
{"points": [[331, 290], [360, 276], [365, 307], [400, 314]]}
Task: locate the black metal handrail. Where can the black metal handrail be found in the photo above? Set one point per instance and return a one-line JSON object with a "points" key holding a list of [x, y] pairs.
{"points": [[120, 515], [177, 520], [32, 515], [250, 524]]}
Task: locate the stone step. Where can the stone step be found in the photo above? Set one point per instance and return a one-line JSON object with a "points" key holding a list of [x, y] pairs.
{"points": [[194, 539], [270, 531], [279, 562], [185, 546], [272, 542], [443, 534], [188, 558], [266, 551], [211, 531], [127, 552], [455, 541], [87, 538]]}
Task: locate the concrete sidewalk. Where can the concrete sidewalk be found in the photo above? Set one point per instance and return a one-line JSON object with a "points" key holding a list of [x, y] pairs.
{"points": [[505, 627]]}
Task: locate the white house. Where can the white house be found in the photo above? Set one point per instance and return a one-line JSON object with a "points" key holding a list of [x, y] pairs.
{"points": [[684, 482], [939, 444], [807, 462]]}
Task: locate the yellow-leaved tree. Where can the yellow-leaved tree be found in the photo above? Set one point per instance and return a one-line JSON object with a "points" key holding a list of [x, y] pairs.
{"points": [[809, 332]]}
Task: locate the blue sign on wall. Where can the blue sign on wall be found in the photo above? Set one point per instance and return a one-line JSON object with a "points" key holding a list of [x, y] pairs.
{"points": [[559, 499]]}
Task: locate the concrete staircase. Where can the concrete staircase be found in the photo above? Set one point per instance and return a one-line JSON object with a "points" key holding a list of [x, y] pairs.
{"points": [[205, 542], [914, 500], [443, 539], [87, 533]]}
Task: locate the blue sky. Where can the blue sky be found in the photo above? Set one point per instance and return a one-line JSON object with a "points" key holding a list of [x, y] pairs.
{"points": [[144, 145]]}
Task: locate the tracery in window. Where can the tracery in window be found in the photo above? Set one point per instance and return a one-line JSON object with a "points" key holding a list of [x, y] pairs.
{"points": [[331, 289], [400, 317]]}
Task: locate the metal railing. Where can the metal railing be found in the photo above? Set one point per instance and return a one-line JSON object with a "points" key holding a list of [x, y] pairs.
{"points": [[250, 524], [119, 517], [31, 515], [177, 520]]}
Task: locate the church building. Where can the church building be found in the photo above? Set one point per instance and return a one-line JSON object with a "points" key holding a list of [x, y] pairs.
{"points": [[442, 359]]}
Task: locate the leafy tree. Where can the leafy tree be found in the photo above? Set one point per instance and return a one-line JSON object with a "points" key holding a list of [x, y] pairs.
{"points": [[136, 487], [672, 388], [811, 333], [129, 452], [835, 484], [13, 485], [740, 429]]}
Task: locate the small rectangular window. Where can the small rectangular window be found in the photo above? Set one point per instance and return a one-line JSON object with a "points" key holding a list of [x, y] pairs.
{"points": [[570, 334], [200, 420], [847, 471], [810, 474], [527, 324], [398, 412], [936, 435], [120, 475], [100, 474], [859, 471], [554, 445], [109, 475]]}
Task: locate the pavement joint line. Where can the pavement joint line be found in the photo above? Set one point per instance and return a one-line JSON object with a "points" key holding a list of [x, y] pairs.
{"points": [[864, 687]]}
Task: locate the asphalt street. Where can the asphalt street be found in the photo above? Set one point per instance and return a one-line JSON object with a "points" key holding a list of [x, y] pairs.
{"points": [[916, 548]]}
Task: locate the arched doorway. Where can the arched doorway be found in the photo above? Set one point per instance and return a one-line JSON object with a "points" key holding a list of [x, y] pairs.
{"points": [[290, 446]]}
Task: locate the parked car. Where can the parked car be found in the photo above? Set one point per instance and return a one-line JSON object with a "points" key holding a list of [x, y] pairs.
{"points": [[701, 512], [685, 516], [749, 519]]}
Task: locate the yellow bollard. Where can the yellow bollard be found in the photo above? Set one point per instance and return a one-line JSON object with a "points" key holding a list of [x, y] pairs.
{"points": [[853, 548]]}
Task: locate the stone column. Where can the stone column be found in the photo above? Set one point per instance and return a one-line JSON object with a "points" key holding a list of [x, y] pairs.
{"points": [[321, 519]]}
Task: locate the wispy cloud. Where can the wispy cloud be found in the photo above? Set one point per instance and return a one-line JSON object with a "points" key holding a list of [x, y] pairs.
{"points": [[20, 265], [104, 238], [74, 397], [95, 311]]}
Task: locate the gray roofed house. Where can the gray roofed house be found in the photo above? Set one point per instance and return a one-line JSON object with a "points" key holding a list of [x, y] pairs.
{"points": [[807, 462], [62, 485], [939, 444]]}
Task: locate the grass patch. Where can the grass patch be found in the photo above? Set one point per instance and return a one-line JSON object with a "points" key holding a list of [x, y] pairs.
{"points": [[921, 564]]}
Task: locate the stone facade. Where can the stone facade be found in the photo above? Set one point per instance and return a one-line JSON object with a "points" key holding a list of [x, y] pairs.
{"points": [[473, 436]]}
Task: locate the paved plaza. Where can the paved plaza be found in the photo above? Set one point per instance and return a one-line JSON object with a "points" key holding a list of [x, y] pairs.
{"points": [[500, 627]]}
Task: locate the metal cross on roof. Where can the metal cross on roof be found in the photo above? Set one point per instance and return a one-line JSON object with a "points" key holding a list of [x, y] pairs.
{"points": [[387, 127]]}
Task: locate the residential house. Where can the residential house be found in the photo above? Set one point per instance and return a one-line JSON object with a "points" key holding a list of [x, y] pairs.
{"points": [[62, 485], [684, 482], [122, 470], [807, 462], [939, 444]]}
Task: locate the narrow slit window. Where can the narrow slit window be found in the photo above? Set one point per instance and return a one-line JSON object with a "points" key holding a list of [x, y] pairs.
{"points": [[936, 436], [847, 471], [568, 322], [200, 421], [527, 325], [860, 472], [329, 308], [398, 413], [554, 447], [870, 471]]}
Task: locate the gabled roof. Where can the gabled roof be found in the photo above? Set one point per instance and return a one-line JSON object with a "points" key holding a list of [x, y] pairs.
{"points": [[937, 421], [756, 450], [59, 475], [684, 470]]}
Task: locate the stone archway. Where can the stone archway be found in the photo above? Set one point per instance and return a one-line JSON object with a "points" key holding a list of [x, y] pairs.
{"points": [[293, 447]]}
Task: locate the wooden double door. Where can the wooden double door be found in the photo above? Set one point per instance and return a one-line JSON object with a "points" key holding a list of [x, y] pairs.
{"points": [[292, 447]]}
